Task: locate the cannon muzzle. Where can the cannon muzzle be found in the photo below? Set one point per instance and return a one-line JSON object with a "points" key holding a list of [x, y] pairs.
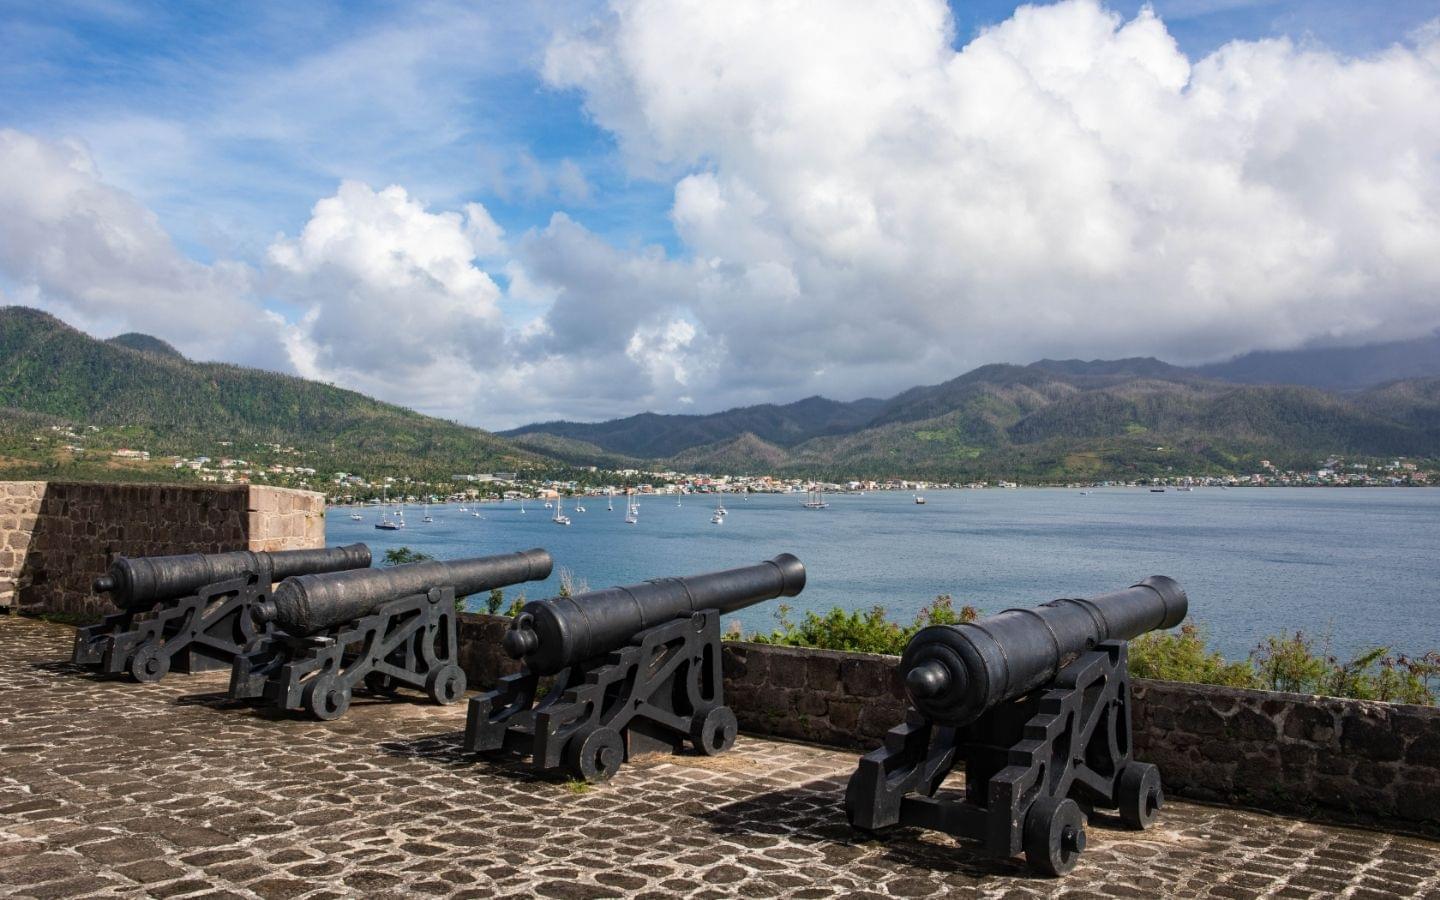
{"points": [[136, 583], [307, 604], [550, 635], [954, 673]]}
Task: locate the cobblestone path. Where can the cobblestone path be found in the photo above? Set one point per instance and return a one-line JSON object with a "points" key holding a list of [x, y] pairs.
{"points": [[115, 788]]}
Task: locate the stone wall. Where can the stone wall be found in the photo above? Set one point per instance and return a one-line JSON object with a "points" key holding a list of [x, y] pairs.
{"points": [[1351, 760], [57, 537]]}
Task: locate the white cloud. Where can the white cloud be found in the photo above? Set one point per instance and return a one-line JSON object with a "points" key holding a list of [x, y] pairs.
{"points": [[392, 300], [92, 254], [874, 204]]}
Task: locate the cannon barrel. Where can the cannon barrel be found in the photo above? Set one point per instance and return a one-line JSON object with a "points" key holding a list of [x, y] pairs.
{"points": [[954, 673], [139, 582], [550, 635], [306, 604]]}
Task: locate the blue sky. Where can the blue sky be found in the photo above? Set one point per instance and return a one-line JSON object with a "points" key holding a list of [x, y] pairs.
{"points": [[230, 122]]}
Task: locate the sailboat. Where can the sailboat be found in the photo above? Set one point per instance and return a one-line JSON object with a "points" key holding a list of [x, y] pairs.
{"points": [[428, 517], [610, 500], [355, 517], [815, 500], [522, 506], [632, 511], [560, 518]]}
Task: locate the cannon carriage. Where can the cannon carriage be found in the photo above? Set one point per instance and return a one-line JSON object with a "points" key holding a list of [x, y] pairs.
{"points": [[1034, 706], [191, 612], [631, 670], [376, 629]]}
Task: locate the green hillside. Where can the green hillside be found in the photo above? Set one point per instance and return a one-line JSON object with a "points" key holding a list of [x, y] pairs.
{"points": [[172, 405], [1064, 420]]}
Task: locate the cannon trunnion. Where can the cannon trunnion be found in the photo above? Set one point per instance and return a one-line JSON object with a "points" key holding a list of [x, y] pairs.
{"points": [[1035, 705], [634, 670], [380, 629], [191, 612]]}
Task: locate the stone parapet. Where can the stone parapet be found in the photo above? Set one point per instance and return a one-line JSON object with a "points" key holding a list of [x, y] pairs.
{"points": [[1353, 759], [57, 537], [1348, 760], [19, 508]]}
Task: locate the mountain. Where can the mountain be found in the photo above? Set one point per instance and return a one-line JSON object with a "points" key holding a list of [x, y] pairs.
{"points": [[173, 405], [145, 344], [1334, 368], [654, 436], [1055, 419]]}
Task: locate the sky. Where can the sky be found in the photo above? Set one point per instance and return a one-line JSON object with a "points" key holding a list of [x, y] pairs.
{"points": [[508, 212]]}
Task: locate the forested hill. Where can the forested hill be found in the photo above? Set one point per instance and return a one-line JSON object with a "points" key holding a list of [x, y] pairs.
{"points": [[1053, 420], [50, 369]]}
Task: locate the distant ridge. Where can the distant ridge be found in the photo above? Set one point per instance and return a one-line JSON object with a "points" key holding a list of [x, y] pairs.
{"points": [[1334, 368], [145, 344], [1053, 419], [53, 371]]}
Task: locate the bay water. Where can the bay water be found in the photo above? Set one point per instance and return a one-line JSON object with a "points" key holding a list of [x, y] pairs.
{"points": [[1359, 567]]}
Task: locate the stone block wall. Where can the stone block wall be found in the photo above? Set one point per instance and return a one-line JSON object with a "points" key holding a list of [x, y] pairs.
{"points": [[59, 536], [19, 508], [1350, 760]]}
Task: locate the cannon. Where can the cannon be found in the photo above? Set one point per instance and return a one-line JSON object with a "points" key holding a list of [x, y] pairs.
{"points": [[378, 629], [631, 670], [192, 612], [1035, 703]]}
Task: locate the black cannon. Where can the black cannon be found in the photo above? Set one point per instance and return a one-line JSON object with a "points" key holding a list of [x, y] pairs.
{"points": [[634, 670], [192, 612], [383, 628], [1036, 704]]}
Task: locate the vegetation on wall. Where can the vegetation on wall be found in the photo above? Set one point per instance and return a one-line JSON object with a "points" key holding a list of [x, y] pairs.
{"points": [[1295, 663]]}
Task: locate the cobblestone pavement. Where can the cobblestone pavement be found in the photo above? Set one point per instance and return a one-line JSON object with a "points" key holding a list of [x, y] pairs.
{"points": [[115, 788]]}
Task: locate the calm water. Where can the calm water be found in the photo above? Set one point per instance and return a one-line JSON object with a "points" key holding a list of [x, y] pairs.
{"points": [[1360, 564]]}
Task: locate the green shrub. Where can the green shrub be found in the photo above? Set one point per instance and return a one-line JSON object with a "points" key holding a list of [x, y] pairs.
{"points": [[870, 631], [495, 601], [1182, 656], [402, 555], [1295, 664]]}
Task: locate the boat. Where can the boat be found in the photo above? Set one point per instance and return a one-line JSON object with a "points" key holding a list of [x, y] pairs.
{"points": [[1084, 493], [919, 500], [815, 500], [1185, 488], [610, 500], [717, 519], [387, 525], [355, 517], [549, 505], [522, 506], [632, 512], [579, 508], [559, 518], [1157, 490]]}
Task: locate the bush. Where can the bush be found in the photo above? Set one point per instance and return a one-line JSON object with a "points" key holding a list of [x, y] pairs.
{"points": [[870, 631], [1295, 664], [1182, 656], [402, 555]]}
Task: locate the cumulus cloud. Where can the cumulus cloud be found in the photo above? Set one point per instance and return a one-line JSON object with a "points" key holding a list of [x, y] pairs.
{"points": [[391, 299], [874, 207], [94, 255]]}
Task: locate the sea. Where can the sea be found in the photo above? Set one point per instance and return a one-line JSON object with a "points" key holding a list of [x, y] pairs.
{"points": [[1354, 568]]}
